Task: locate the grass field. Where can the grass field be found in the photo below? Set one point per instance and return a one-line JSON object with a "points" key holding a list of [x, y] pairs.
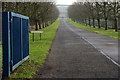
{"points": [[38, 52], [110, 32], [0, 55]]}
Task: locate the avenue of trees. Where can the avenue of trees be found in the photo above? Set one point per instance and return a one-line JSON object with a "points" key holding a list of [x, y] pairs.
{"points": [[41, 13], [101, 14]]}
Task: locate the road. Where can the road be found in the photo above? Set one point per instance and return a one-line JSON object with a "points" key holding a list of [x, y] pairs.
{"points": [[72, 56], [106, 45]]}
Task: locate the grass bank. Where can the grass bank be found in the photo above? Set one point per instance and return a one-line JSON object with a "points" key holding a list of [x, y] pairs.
{"points": [[110, 32], [38, 52]]}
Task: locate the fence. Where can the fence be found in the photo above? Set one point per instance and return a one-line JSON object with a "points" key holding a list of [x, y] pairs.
{"points": [[15, 41]]}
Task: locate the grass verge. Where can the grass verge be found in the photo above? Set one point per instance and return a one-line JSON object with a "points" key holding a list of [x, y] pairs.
{"points": [[38, 52], [110, 32]]}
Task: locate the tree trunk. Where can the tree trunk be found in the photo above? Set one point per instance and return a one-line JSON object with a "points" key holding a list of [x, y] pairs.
{"points": [[3, 6], [48, 23], [44, 25], [115, 24], [40, 26], [98, 23], [93, 23], [36, 26], [106, 28], [89, 22], [86, 22]]}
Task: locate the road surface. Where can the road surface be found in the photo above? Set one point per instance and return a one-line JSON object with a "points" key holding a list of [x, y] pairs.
{"points": [[72, 56]]}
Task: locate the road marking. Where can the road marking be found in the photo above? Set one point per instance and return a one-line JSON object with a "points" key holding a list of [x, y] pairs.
{"points": [[110, 59], [103, 53]]}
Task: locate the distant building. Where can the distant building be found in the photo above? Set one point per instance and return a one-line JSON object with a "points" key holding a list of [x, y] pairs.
{"points": [[63, 11]]}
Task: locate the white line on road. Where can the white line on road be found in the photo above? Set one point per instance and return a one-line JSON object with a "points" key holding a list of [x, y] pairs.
{"points": [[103, 53]]}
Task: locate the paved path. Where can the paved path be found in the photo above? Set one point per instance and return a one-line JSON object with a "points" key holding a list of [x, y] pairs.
{"points": [[73, 57]]}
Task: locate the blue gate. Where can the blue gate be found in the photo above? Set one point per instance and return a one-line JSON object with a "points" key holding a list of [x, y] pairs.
{"points": [[15, 41]]}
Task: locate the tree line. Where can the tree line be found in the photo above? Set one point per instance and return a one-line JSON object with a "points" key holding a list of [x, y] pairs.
{"points": [[41, 13], [95, 13]]}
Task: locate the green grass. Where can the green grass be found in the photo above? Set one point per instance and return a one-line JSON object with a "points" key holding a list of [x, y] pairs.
{"points": [[38, 52], [110, 32], [0, 55]]}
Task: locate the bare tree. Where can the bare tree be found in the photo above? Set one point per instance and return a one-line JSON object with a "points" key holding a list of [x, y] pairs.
{"points": [[39, 12], [90, 12]]}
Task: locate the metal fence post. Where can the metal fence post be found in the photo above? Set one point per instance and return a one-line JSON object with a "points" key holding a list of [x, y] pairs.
{"points": [[33, 36], [40, 36], [6, 44]]}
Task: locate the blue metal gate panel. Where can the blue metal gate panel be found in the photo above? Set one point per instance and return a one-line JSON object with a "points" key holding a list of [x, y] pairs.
{"points": [[15, 41], [25, 38]]}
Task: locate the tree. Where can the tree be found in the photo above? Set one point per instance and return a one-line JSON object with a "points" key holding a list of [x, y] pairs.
{"points": [[90, 12], [39, 12]]}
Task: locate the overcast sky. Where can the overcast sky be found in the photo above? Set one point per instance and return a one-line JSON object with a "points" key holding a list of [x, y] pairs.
{"points": [[65, 2]]}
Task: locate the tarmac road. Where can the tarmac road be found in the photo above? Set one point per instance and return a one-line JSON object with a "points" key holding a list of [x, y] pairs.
{"points": [[71, 56], [107, 45]]}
